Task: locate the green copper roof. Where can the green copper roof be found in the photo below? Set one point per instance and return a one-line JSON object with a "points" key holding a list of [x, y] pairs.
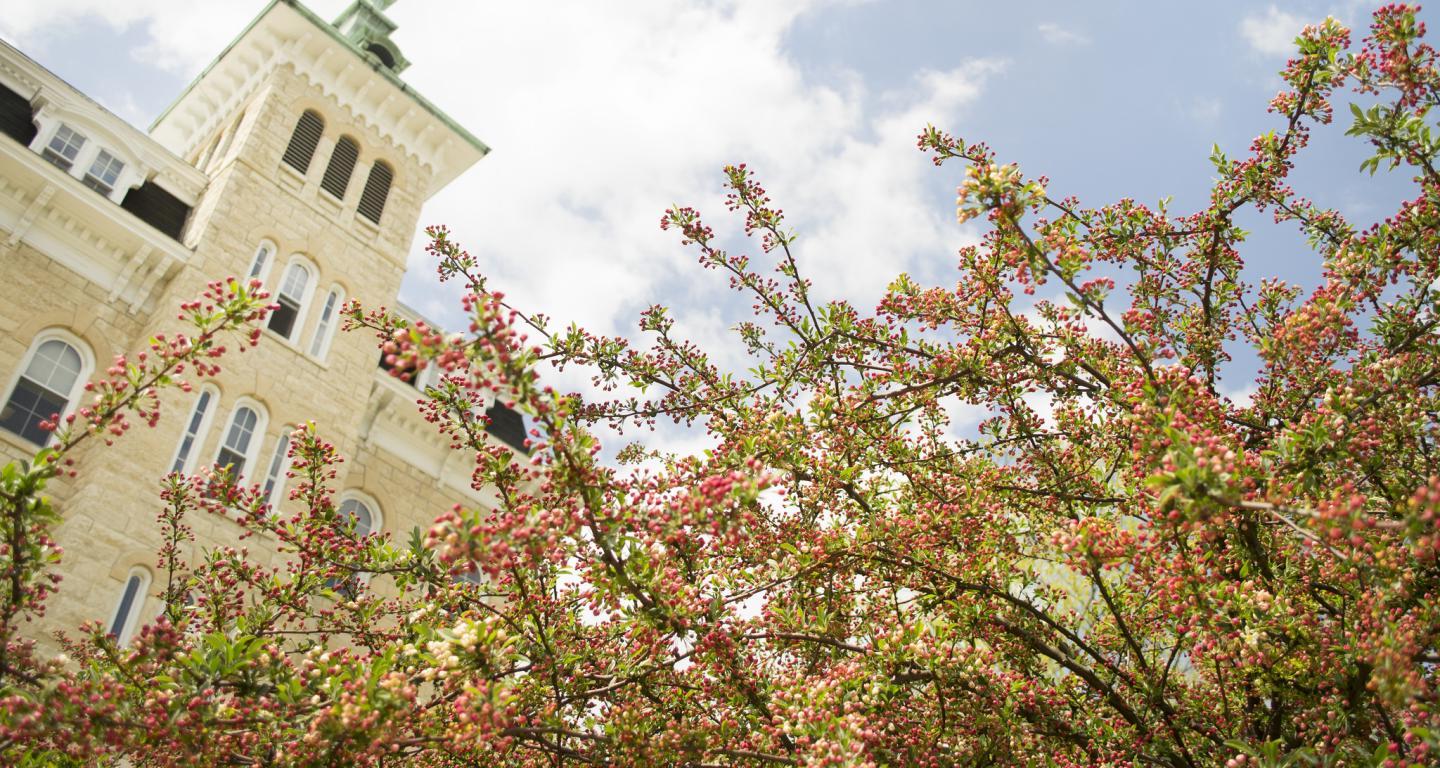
{"points": [[335, 34]]}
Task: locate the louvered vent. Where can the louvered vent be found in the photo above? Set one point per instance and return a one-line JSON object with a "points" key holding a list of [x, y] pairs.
{"points": [[377, 189], [304, 140], [16, 116], [342, 164]]}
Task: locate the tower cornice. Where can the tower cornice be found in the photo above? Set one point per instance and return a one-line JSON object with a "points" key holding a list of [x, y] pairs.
{"points": [[288, 33]]}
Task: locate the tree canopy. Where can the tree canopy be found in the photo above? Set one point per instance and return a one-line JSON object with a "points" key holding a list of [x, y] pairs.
{"points": [[1122, 566]]}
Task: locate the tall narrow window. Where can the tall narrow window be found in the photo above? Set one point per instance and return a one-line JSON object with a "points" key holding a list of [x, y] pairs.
{"points": [[43, 390], [323, 329], [103, 173], [377, 189], [199, 417], [261, 262], [63, 147], [122, 624], [304, 140], [275, 474], [290, 297], [342, 164], [235, 449]]}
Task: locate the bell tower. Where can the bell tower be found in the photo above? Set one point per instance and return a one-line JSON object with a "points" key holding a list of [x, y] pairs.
{"points": [[319, 107], [319, 158]]}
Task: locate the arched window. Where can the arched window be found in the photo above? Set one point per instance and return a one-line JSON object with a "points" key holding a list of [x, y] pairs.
{"points": [[239, 443], [342, 164], [325, 326], [377, 189], [304, 140], [122, 624], [294, 289], [260, 264], [48, 385], [195, 429], [363, 514], [362, 511], [275, 472]]}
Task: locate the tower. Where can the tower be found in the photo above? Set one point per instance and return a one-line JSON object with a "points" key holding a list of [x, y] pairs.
{"points": [[298, 157]]}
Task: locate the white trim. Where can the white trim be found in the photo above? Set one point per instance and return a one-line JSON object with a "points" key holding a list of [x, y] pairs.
{"points": [[257, 437], [278, 473], [320, 345], [297, 331], [127, 626], [132, 173], [264, 273], [198, 446], [87, 369], [377, 516]]}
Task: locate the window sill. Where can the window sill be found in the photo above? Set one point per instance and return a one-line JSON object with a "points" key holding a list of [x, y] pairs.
{"points": [[287, 170], [19, 443], [294, 347], [367, 225], [333, 203]]}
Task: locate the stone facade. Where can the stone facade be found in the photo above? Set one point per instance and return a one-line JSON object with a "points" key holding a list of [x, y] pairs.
{"points": [[123, 283]]}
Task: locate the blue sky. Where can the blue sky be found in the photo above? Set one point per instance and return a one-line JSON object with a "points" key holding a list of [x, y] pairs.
{"points": [[603, 114]]}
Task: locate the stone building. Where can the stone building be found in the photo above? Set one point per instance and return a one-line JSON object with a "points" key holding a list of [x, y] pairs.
{"points": [[298, 157]]}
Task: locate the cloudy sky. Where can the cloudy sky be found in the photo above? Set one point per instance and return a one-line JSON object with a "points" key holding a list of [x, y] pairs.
{"points": [[602, 114]]}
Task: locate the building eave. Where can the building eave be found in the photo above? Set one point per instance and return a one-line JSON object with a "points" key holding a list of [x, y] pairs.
{"points": [[295, 50]]}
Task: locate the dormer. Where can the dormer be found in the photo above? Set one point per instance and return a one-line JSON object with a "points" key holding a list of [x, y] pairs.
{"points": [[84, 188]]}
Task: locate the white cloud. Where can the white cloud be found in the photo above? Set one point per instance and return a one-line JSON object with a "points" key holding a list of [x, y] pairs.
{"points": [[1272, 33], [184, 34], [1205, 110], [1057, 35]]}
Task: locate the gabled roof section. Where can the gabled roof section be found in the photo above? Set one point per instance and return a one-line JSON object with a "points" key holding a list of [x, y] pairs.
{"points": [[286, 32]]}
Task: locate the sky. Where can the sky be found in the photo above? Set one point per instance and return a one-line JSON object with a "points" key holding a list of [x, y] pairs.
{"points": [[603, 114]]}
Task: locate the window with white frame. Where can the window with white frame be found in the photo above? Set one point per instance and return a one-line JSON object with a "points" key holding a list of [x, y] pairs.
{"points": [[291, 299], [360, 512], [260, 264], [360, 515], [132, 597], [274, 488], [238, 444], [46, 388], [195, 429], [103, 173], [63, 147], [325, 326]]}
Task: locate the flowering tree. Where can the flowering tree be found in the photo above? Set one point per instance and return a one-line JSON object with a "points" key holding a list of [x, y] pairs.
{"points": [[1143, 572]]}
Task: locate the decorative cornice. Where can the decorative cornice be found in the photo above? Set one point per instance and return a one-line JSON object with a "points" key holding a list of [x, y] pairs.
{"points": [[48, 92], [48, 210], [288, 34]]}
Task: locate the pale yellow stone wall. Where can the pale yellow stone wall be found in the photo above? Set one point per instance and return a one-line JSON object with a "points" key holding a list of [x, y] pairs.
{"points": [[110, 510]]}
